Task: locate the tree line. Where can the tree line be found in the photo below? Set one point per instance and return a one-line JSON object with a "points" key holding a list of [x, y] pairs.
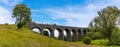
{"points": [[107, 22]]}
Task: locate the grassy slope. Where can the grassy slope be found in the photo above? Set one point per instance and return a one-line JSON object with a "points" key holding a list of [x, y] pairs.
{"points": [[10, 36]]}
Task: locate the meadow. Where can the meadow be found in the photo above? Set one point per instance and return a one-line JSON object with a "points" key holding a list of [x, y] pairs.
{"points": [[10, 36]]}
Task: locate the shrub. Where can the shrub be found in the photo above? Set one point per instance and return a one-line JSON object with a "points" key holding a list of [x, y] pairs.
{"points": [[89, 34], [115, 37], [46, 33], [97, 35], [87, 40], [19, 25], [65, 38], [94, 35], [6, 24]]}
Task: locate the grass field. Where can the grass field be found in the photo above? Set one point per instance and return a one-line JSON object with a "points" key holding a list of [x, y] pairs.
{"points": [[10, 36]]}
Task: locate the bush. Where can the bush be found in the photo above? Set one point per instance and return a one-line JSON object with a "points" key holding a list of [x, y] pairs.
{"points": [[87, 40], [115, 37], [6, 24], [65, 38], [97, 35], [90, 34], [19, 25], [46, 33], [94, 35]]}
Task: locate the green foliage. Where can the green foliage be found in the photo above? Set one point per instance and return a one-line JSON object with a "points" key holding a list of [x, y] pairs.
{"points": [[46, 33], [90, 34], [99, 42], [65, 38], [6, 24], [87, 40], [106, 21], [22, 14], [94, 35], [115, 37], [19, 25], [97, 35]]}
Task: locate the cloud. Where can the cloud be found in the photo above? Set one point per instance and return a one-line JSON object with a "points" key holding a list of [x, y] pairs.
{"points": [[5, 16], [77, 15], [6, 13], [10, 2], [73, 16]]}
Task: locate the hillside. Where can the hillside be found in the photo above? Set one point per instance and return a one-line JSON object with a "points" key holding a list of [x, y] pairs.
{"points": [[10, 36]]}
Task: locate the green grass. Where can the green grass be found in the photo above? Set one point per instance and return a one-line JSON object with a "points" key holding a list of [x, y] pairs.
{"points": [[10, 36], [99, 42], [103, 42]]}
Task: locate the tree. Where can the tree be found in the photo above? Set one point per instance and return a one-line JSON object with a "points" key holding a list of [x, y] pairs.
{"points": [[107, 20], [115, 37], [22, 14], [87, 40]]}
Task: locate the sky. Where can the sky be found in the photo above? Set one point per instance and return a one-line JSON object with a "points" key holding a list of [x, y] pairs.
{"points": [[76, 13]]}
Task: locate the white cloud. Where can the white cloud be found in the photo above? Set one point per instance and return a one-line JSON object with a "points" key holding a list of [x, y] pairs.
{"points": [[6, 13], [10, 2], [5, 16], [76, 15], [91, 6]]}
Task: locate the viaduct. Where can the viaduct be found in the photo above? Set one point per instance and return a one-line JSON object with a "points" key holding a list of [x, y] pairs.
{"points": [[78, 32]]}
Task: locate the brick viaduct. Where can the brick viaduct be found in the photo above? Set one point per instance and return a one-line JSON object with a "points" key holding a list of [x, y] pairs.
{"points": [[78, 32]]}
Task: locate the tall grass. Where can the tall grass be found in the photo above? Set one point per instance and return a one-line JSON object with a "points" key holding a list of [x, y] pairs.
{"points": [[10, 36]]}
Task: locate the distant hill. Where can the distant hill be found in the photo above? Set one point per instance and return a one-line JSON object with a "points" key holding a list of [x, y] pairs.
{"points": [[10, 36]]}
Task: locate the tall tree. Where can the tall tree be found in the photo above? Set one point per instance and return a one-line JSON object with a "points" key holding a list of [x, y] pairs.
{"points": [[107, 20], [22, 14]]}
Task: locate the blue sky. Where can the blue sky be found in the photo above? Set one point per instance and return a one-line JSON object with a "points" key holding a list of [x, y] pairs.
{"points": [[61, 12]]}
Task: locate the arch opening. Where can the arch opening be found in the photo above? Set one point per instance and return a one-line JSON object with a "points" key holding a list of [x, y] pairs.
{"points": [[85, 31], [65, 35], [75, 35], [56, 33], [46, 32], [60, 34], [68, 35], [79, 34], [36, 29], [50, 31]]}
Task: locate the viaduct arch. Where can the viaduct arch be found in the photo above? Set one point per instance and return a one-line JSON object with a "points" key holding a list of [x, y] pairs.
{"points": [[78, 32]]}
